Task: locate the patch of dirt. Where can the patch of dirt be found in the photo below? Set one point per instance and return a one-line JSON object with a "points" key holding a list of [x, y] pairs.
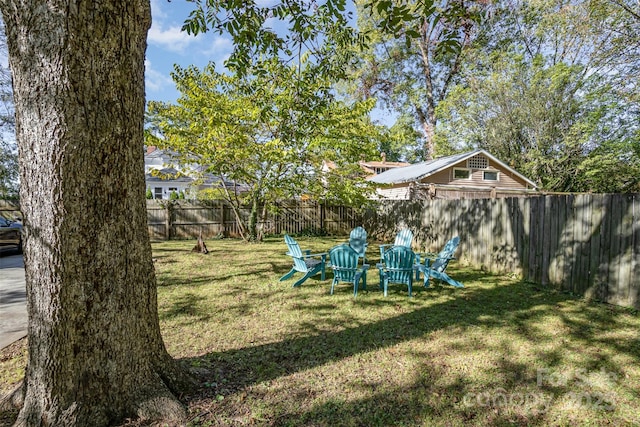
{"points": [[13, 350]]}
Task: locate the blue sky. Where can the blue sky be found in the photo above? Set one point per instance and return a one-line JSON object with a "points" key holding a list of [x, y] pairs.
{"points": [[168, 45]]}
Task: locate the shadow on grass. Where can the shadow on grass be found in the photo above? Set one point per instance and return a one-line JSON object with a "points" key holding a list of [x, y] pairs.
{"points": [[185, 305], [516, 305]]}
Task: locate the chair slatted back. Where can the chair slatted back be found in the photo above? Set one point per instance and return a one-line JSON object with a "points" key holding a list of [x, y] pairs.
{"points": [[404, 238], [344, 262], [398, 263], [296, 253], [445, 255], [358, 240]]}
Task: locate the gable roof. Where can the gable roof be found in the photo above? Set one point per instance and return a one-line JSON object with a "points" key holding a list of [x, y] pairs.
{"points": [[384, 164], [419, 171], [167, 175], [368, 167]]}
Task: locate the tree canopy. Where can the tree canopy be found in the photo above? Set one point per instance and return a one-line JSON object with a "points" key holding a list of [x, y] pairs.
{"points": [[547, 86], [269, 134], [550, 90]]}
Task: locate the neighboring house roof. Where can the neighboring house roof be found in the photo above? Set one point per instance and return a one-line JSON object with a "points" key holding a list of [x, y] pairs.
{"points": [[419, 171], [210, 179], [157, 172], [384, 164], [167, 175], [369, 167], [155, 158]]}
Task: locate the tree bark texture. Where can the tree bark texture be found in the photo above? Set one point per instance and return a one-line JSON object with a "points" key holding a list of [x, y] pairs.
{"points": [[96, 355]]}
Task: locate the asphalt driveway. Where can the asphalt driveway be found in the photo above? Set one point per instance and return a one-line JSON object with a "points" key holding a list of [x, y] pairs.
{"points": [[13, 300]]}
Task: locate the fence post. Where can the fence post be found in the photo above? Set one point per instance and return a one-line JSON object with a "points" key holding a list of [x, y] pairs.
{"points": [[168, 220]]}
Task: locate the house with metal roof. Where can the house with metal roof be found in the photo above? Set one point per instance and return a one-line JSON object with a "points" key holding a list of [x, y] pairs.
{"points": [[378, 167], [474, 174]]}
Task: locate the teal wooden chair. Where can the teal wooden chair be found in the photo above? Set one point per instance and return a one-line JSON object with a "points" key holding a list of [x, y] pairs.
{"points": [[397, 266], [344, 263], [358, 242], [435, 264], [403, 238], [304, 262]]}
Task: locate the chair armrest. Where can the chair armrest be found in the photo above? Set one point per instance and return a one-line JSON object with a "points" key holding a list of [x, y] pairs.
{"points": [[308, 254], [421, 267], [321, 254], [382, 249]]}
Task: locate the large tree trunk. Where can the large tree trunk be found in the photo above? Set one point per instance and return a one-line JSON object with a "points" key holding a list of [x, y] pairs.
{"points": [[95, 351]]}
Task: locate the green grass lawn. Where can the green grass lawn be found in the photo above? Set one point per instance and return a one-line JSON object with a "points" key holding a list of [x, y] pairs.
{"points": [[498, 352]]}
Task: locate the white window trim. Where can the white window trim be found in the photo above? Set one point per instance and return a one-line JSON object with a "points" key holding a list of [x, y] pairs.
{"points": [[490, 171], [462, 169]]}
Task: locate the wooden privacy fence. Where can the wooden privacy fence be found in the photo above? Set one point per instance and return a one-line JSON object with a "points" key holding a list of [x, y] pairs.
{"points": [[586, 244], [180, 220]]}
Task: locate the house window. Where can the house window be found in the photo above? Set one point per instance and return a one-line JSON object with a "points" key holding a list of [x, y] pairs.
{"points": [[461, 173], [478, 162], [490, 175], [157, 193]]}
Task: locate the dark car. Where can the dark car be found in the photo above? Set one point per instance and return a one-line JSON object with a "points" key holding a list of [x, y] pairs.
{"points": [[10, 235]]}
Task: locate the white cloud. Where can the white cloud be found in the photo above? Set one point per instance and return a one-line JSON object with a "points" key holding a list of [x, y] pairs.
{"points": [[165, 32], [220, 47], [172, 38], [155, 81], [157, 10]]}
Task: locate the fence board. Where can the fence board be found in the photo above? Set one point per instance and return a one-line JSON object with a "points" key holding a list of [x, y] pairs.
{"points": [[626, 250], [582, 244], [216, 218], [634, 288], [523, 209]]}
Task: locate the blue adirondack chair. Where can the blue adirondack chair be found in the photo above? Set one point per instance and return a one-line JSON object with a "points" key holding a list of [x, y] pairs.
{"points": [[437, 263], [304, 262], [403, 238], [344, 263], [397, 266], [358, 241]]}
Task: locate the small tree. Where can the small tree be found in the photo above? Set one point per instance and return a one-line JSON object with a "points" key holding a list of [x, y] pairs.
{"points": [[149, 194], [267, 135]]}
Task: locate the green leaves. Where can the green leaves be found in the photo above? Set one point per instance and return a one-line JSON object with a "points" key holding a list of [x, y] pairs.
{"points": [[282, 30], [268, 130]]}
